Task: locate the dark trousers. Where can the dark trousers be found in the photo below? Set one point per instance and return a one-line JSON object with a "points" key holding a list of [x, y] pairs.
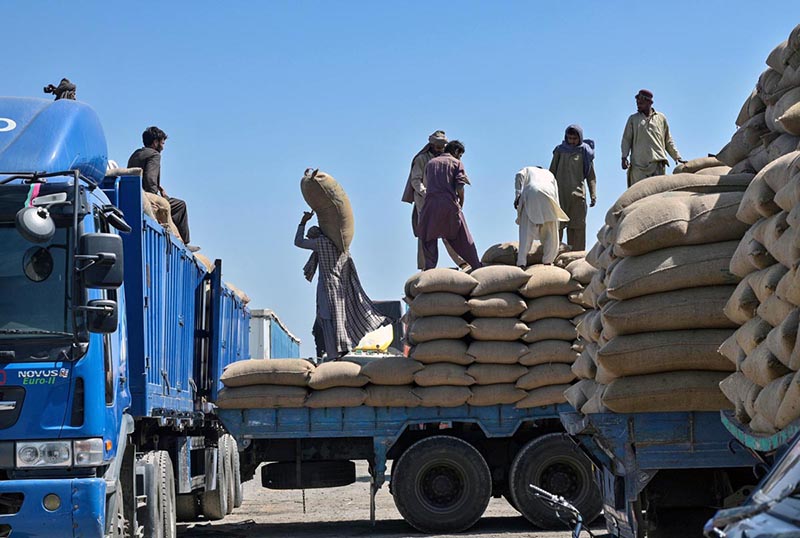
{"points": [[180, 217], [576, 237], [460, 244]]}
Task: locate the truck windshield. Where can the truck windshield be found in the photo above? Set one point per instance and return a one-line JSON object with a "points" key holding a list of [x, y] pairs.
{"points": [[34, 285]]}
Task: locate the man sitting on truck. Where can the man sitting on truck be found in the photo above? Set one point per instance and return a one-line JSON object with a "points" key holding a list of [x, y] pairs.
{"points": [[148, 158], [344, 312]]}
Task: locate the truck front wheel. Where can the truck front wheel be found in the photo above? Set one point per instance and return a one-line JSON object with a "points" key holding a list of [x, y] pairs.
{"points": [[441, 484], [160, 485]]}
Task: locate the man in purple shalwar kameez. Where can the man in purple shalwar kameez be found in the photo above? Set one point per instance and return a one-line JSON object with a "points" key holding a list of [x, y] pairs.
{"points": [[441, 216]]}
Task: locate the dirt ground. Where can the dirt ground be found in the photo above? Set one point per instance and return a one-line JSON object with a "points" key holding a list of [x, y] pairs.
{"points": [[344, 513]]}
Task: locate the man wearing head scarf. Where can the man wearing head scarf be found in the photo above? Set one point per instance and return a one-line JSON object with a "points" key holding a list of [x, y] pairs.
{"points": [[414, 193], [441, 216], [538, 213], [344, 312], [573, 162], [648, 141]]}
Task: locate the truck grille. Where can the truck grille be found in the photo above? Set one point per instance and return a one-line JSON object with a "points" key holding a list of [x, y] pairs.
{"points": [[11, 399]]}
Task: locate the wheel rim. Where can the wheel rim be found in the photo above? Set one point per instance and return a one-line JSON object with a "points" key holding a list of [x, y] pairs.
{"points": [[441, 487], [561, 476]]}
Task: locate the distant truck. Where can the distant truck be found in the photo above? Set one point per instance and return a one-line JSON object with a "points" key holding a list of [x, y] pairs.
{"points": [[269, 337], [112, 341]]}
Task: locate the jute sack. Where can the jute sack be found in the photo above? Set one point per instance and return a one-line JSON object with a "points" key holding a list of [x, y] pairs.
{"points": [[580, 298], [337, 374], [606, 259], [391, 371], [788, 288], [439, 304], [552, 306], [744, 140], [793, 217], [789, 196], [393, 396], [767, 85], [547, 351], [695, 308], [498, 279], [336, 397], [743, 303], [784, 115], [443, 396], [735, 387], [603, 376], [595, 402], [550, 329], [442, 280], [552, 395], [772, 229], [434, 375], [750, 255], [238, 293], [752, 105], [778, 172], [790, 119], [774, 311], [294, 372], [789, 410], [497, 329], [593, 256], [548, 280], [786, 249], [491, 374], [769, 400], [750, 397], [506, 254], [671, 391], [583, 324], [544, 375], [261, 397], [497, 352], [497, 305], [762, 367], [576, 394], [437, 328], [716, 170], [329, 201], [783, 145], [673, 269], [454, 351], [584, 366], [759, 157], [695, 165], [674, 219], [500, 394], [207, 264], [791, 55], [581, 271], [765, 281], [752, 333], [758, 201], [775, 58], [759, 424], [668, 351], [675, 182], [566, 258]]}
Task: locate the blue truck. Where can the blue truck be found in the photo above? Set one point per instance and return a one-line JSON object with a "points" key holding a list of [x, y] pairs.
{"points": [[112, 341]]}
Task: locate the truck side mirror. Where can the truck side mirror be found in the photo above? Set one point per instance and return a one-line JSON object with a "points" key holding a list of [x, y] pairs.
{"points": [[101, 316], [100, 261]]}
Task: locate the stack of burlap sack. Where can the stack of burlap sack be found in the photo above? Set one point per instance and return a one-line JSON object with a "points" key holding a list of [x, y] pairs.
{"points": [[662, 281]]}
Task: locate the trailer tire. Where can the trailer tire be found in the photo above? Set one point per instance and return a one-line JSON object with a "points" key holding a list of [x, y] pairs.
{"points": [[554, 463], [215, 502], [161, 521], [187, 507], [118, 527], [441, 484], [238, 491], [229, 444]]}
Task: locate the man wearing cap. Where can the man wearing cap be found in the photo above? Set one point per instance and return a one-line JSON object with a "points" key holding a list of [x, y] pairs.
{"points": [[572, 164], [415, 190], [648, 141]]}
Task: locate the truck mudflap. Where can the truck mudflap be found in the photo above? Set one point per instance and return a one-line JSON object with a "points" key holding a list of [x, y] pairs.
{"points": [[80, 514]]}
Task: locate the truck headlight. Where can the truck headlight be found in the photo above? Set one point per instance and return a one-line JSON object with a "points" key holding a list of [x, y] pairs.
{"points": [[88, 452], [44, 454]]}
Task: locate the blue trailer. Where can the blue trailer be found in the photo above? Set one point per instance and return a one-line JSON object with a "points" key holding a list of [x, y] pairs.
{"points": [[269, 337], [662, 474], [112, 340]]}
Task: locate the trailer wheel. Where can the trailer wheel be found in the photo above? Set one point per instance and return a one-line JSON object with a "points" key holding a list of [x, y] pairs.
{"points": [[118, 527], [187, 507], [234, 479], [441, 484], [160, 521], [554, 463], [215, 502], [238, 491]]}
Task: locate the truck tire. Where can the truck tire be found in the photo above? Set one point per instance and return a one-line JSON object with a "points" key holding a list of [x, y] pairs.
{"points": [[118, 526], [215, 502], [160, 521], [229, 445], [554, 463], [441, 484], [238, 491], [187, 507]]}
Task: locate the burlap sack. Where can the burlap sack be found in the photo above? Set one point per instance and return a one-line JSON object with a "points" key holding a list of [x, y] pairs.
{"points": [[673, 219], [437, 328], [731, 350], [576, 394], [491, 374], [506, 254], [769, 400], [793, 217], [579, 298], [758, 424], [783, 145], [544, 375], [500, 394], [498, 279], [329, 201], [497, 352], [744, 140], [394, 396], [581, 271], [294, 372], [547, 351], [336, 397], [669, 351], [759, 157], [750, 255], [443, 396], [593, 256], [673, 269], [752, 105], [454, 351], [789, 121], [789, 410], [767, 85], [337, 374], [752, 333], [550, 329], [762, 367], [666, 392], [750, 397], [548, 280], [775, 58], [207, 264], [716, 170], [595, 402], [743, 303], [497, 305], [603, 376], [789, 196], [497, 329], [542, 396], [442, 373], [758, 201], [788, 288], [735, 388], [583, 324], [566, 258], [695, 165], [439, 304], [261, 397], [778, 172], [238, 293], [584, 366], [786, 249], [695, 308], [791, 55], [391, 371], [772, 229], [552, 306], [782, 339], [441, 280], [606, 259], [774, 311]]}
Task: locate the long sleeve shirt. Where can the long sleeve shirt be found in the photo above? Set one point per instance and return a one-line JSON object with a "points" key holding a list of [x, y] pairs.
{"points": [[149, 160], [537, 192], [568, 170], [301, 241], [647, 139]]}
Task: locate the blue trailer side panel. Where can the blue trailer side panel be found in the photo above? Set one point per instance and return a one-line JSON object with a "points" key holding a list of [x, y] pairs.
{"points": [[282, 343], [230, 340]]}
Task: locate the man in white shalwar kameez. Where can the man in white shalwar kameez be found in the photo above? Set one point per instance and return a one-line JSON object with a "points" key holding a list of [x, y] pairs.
{"points": [[538, 212]]}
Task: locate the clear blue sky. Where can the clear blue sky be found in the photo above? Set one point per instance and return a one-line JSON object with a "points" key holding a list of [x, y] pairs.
{"points": [[253, 93]]}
